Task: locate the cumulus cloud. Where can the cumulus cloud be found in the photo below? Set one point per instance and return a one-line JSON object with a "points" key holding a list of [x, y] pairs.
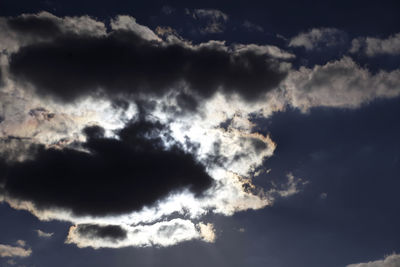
{"points": [[389, 261], [372, 46], [207, 231], [319, 38], [341, 83], [7, 251]]}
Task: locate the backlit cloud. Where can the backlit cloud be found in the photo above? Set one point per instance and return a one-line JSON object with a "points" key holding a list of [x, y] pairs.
{"points": [[133, 136]]}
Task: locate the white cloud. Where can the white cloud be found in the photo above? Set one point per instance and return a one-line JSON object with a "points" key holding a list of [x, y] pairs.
{"points": [[372, 46], [124, 22], [207, 232], [11, 251], [318, 38], [270, 50], [389, 261], [43, 234], [21, 243], [341, 83]]}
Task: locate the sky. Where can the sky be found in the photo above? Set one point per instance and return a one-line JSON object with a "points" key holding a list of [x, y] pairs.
{"points": [[199, 133]]}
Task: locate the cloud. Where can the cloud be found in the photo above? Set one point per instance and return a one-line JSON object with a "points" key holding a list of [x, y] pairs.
{"points": [[102, 110], [111, 176], [128, 23], [76, 65], [207, 231], [389, 261], [21, 243], [167, 10], [41, 27], [251, 27], [319, 38], [372, 46], [341, 83], [110, 232], [269, 50], [44, 234], [7, 251], [214, 18], [160, 234]]}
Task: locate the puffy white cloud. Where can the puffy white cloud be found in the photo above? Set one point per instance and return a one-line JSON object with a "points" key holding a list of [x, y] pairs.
{"points": [[207, 232], [318, 38], [389, 261], [13, 251], [372, 46], [341, 83]]}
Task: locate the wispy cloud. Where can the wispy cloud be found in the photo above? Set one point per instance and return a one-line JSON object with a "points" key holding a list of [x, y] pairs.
{"points": [[44, 234], [319, 38]]}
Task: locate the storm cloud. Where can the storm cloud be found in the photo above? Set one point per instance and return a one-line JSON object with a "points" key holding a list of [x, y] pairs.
{"points": [[106, 175], [125, 60], [111, 232]]}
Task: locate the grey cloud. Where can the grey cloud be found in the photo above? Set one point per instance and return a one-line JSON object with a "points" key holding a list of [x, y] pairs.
{"points": [[389, 261], [13, 251], [167, 10], [319, 38], [372, 46], [43, 26], [132, 60], [340, 83], [252, 27], [215, 20], [110, 232], [214, 14]]}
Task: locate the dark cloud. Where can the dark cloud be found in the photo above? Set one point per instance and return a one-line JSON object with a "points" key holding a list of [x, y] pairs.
{"points": [[74, 65], [33, 25], [115, 176], [110, 232]]}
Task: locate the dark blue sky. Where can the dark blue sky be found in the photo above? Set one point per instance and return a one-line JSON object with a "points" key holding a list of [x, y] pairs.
{"points": [[347, 211]]}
